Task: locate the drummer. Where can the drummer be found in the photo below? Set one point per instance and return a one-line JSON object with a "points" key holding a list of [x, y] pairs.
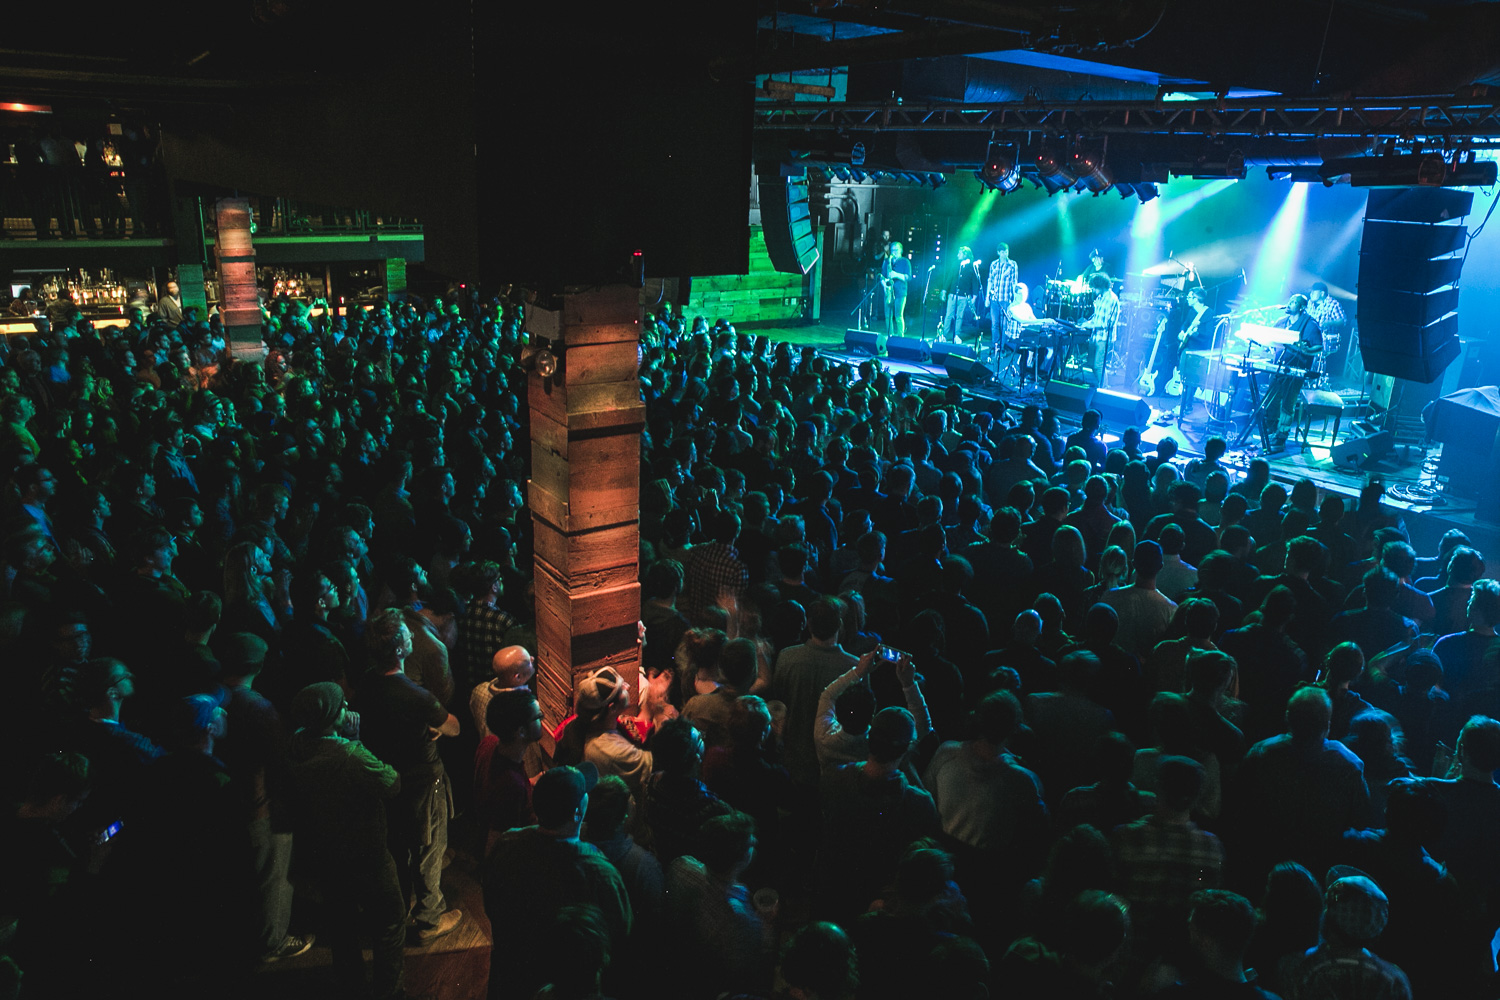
{"points": [[1096, 266]]}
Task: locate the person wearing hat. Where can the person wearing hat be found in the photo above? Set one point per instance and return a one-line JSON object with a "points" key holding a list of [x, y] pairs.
{"points": [[1330, 316], [1355, 911], [594, 733], [339, 791], [1095, 266], [535, 871]]}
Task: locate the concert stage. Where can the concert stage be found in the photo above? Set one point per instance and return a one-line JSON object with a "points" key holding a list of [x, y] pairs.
{"points": [[1408, 471]]}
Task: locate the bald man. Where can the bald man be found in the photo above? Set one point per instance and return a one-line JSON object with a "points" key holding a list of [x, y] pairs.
{"points": [[513, 668]]}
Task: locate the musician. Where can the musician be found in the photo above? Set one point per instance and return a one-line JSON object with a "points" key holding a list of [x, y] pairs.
{"points": [[1295, 360], [1197, 335], [874, 254], [1096, 266], [1330, 316], [966, 285], [1000, 290], [895, 275], [1102, 323], [1019, 316]]}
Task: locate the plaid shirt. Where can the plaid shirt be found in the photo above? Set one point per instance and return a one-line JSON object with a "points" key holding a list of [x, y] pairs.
{"points": [[1106, 314], [713, 568], [1162, 864], [481, 633], [1347, 972], [1330, 317], [1001, 284]]}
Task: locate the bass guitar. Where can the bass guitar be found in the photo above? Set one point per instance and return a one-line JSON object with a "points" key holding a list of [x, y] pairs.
{"points": [[1147, 382]]}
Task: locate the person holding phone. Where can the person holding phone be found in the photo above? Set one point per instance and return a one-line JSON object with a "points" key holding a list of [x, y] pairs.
{"points": [[847, 707]]}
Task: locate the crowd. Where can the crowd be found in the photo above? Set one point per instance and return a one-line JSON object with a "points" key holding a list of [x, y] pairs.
{"points": [[933, 701]]}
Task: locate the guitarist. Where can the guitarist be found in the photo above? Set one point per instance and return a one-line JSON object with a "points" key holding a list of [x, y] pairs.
{"points": [[895, 275], [1197, 335]]}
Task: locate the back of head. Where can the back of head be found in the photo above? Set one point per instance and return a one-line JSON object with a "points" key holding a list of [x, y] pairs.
{"points": [[1484, 602], [241, 654], [1027, 628], [1279, 606], [609, 802], [819, 960], [663, 579], [1097, 924], [1172, 540], [891, 735], [1200, 617], [1309, 712], [1303, 554], [855, 708], [1345, 663], [997, 717], [1101, 624], [749, 721], [824, 619], [508, 711], [1179, 782], [738, 663], [1480, 740], [1147, 559], [1465, 565], [1055, 501], [1381, 588], [677, 749], [1225, 918], [725, 840], [575, 950], [1399, 558], [1078, 669]]}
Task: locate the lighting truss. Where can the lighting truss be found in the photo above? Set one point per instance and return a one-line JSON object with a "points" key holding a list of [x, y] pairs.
{"points": [[1431, 118]]}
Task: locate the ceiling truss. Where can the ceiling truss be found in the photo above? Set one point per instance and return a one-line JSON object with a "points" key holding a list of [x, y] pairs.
{"points": [[1445, 119]]}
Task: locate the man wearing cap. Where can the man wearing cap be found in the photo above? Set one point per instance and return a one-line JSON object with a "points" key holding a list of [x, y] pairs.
{"points": [[401, 723], [535, 871], [1198, 537], [1096, 266], [1330, 316], [339, 791], [1341, 966], [603, 696]]}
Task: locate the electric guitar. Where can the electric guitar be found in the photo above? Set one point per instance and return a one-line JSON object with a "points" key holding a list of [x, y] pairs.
{"points": [[1147, 382]]}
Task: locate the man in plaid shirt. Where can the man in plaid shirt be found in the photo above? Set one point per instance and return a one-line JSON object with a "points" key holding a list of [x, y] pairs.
{"points": [[715, 566], [1102, 322], [1000, 290], [1164, 858], [1331, 320], [483, 625]]}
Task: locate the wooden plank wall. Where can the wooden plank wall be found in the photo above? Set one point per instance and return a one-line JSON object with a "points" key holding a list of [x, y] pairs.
{"points": [[765, 294]]}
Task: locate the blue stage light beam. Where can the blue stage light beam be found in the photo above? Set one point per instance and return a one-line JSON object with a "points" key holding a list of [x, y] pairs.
{"points": [[1272, 273]]}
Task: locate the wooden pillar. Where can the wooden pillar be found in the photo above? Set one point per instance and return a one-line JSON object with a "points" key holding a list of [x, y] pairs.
{"points": [[239, 296], [584, 493]]}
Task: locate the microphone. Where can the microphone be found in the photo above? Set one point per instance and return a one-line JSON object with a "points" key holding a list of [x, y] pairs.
{"points": [[932, 268]]}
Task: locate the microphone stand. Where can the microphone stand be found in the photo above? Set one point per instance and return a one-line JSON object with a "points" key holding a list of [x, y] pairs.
{"points": [[926, 287]]}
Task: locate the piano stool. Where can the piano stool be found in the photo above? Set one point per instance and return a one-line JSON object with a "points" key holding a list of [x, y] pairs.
{"points": [[1321, 403]]}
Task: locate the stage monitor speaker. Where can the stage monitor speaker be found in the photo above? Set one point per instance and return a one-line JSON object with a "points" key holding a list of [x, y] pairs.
{"points": [[941, 351], [1122, 409], [1071, 398], [786, 217], [967, 371], [862, 342], [1408, 321], [1467, 423], [907, 349], [1364, 451]]}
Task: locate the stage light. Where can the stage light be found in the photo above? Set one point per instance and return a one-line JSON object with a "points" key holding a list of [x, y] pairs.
{"points": [[1232, 167], [1091, 172], [1000, 168], [1126, 190], [1052, 168], [1146, 192]]}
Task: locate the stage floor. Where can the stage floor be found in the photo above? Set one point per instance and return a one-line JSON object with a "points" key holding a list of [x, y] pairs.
{"points": [[1407, 472]]}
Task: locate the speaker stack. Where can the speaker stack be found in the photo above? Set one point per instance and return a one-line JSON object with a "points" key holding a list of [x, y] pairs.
{"points": [[786, 217], [1409, 264]]}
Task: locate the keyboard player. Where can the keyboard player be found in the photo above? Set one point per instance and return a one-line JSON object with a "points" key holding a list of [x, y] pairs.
{"points": [[1294, 362]]}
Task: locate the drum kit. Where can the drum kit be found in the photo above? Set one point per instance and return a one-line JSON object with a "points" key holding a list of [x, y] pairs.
{"points": [[1070, 301]]}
